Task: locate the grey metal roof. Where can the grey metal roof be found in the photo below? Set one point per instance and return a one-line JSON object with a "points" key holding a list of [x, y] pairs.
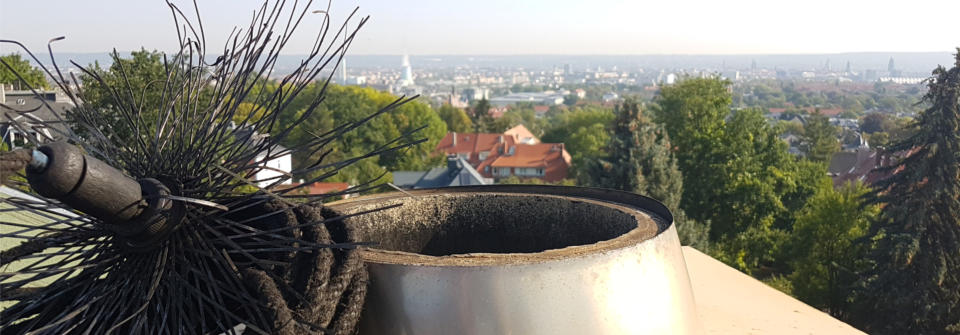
{"points": [[458, 172], [29, 110], [406, 179]]}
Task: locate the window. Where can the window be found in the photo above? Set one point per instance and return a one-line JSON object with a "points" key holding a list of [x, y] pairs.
{"points": [[530, 172], [502, 172], [464, 155], [484, 155], [21, 101]]}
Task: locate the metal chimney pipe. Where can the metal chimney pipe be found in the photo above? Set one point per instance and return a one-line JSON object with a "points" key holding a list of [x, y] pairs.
{"points": [[522, 259]]}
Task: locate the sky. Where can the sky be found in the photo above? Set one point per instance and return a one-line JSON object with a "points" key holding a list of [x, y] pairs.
{"points": [[518, 27]]}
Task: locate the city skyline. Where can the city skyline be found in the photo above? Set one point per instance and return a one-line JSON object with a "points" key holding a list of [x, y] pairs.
{"points": [[499, 27]]}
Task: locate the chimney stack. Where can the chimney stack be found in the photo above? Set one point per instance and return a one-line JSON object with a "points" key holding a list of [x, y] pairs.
{"points": [[454, 138], [453, 164]]}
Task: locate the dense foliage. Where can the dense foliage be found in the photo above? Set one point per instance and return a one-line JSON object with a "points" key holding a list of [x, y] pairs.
{"points": [[819, 138], [353, 103], [826, 254], [456, 119], [143, 70], [639, 159], [913, 284], [706, 150], [17, 71]]}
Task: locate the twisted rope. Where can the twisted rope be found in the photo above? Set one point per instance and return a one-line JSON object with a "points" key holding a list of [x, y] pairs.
{"points": [[321, 291], [12, 162]]}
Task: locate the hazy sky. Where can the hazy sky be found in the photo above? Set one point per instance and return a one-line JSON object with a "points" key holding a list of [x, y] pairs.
{"points": [[592, 27]]}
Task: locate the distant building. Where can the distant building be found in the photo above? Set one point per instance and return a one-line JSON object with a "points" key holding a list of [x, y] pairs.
{"points": [[357, 80], [544, 98], [861, 165], [503, 155], [541, 111], [731, 75], [671, 79], [25, 116], [407, 78], [457, 172], [902, 80], [276, 161], [581, 93], [610, 97], [522, 134], [831, 112], [475, 93]]}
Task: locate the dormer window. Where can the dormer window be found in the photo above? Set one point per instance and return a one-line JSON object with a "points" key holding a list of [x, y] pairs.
{"points": [[21, 101]]}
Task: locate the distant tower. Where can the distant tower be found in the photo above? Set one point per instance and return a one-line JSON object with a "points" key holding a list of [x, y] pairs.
{"points": [[753, 64], [407, 78], [890, 66], [826, 65], [848, 68], [343, 71]]}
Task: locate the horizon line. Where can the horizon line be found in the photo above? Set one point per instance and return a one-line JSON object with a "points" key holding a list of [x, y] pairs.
{"points": [[555, 54]]}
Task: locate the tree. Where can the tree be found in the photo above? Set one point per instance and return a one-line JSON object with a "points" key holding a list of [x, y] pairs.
{"points": [[145, 74], [819, 139], [456, 119], [747, 184], [692, 112], [482, 120], [875, 122], [640, 160], [751, 189], [350, 103], [30, 77], [584, 133], [826, 257], [913, 286]]}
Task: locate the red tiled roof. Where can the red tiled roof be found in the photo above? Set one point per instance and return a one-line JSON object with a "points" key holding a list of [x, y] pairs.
{"points": [[532, 155], [473, 144], [324, 188], [522, 134], [553, 157]]}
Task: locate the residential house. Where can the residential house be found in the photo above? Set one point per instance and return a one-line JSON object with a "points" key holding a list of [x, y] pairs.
{"points": [[25, 116], [515, 153], [522, 134], [276, 162], [861, 165]]}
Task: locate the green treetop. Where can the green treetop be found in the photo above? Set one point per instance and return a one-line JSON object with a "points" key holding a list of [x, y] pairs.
{"points": [[640, 160], [826, 256], [914, 284], [456, 119], [819, 139], [350, 103], [30, 77]]}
